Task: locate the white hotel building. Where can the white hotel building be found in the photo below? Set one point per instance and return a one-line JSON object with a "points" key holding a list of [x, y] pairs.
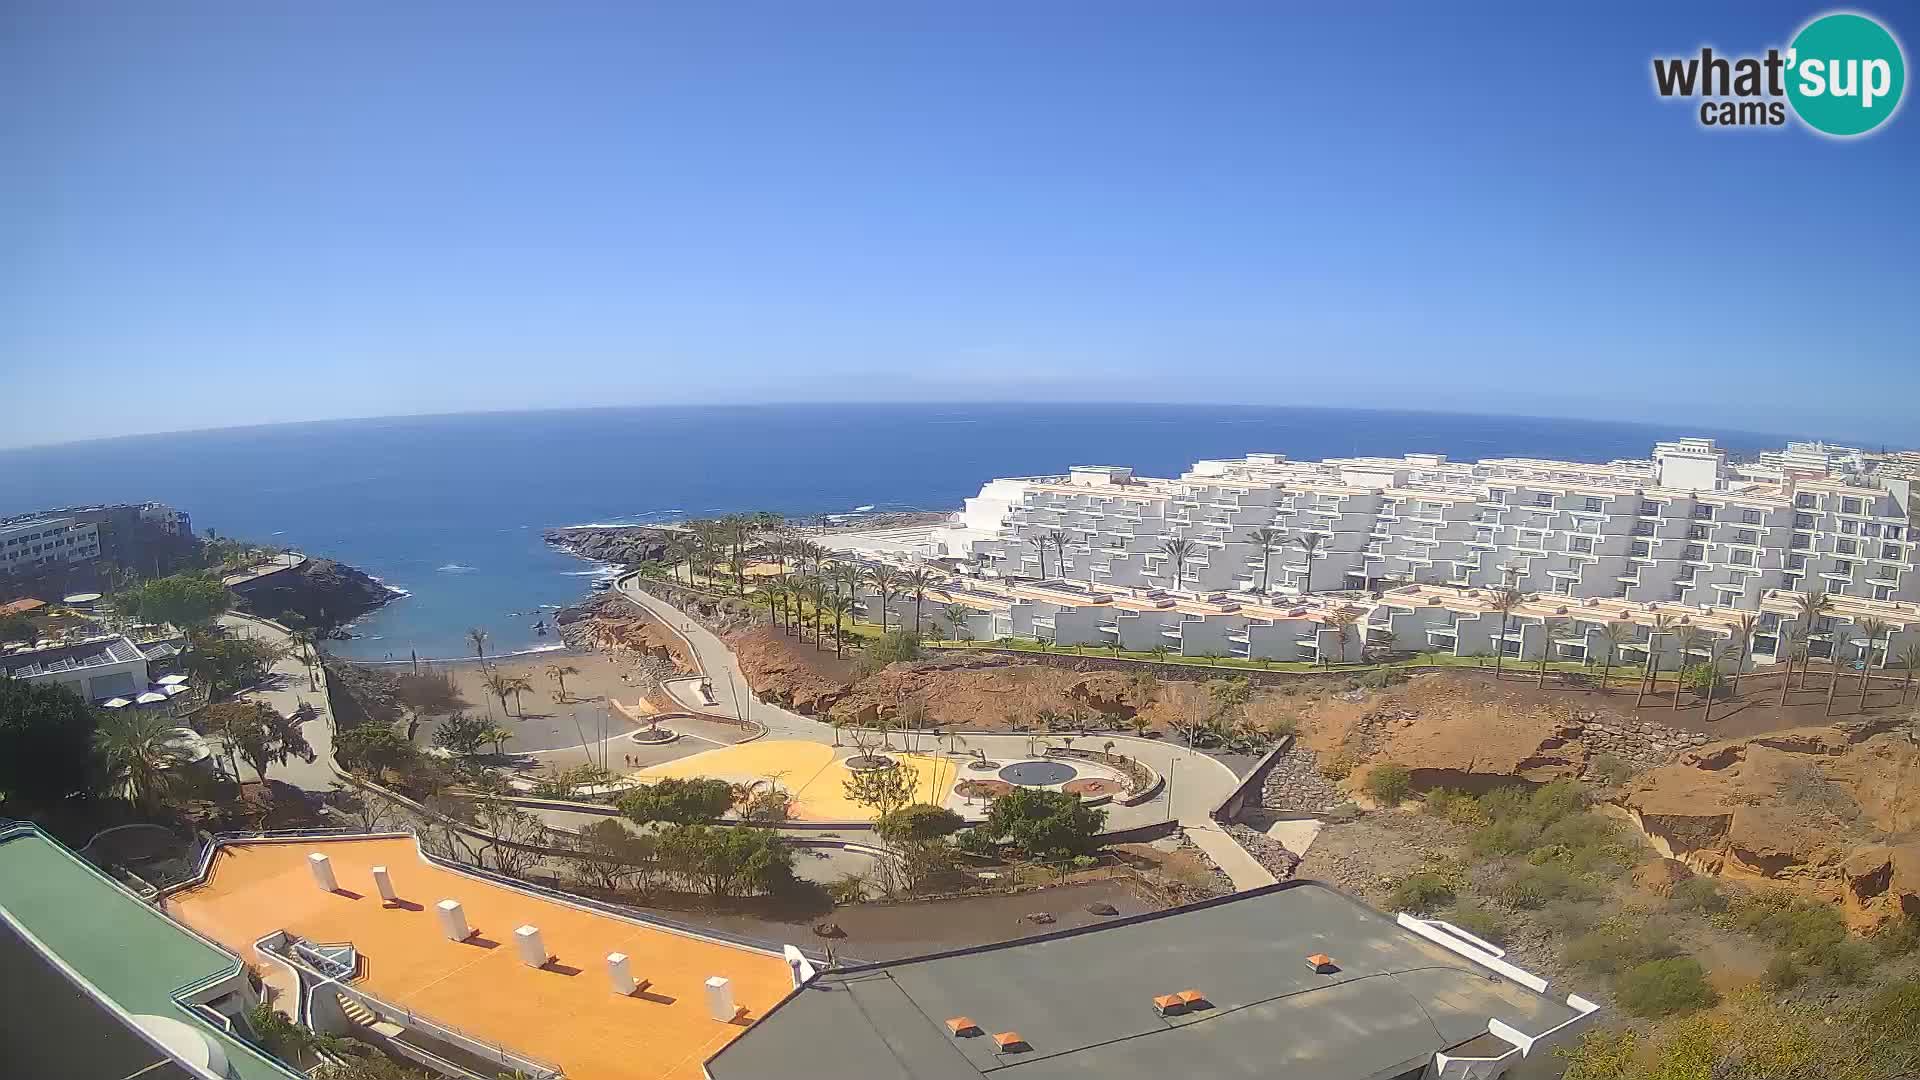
{"points": [[1417, 543]]}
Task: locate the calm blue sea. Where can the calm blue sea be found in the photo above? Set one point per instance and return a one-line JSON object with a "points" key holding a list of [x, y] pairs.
{"points": [[451, 508]]}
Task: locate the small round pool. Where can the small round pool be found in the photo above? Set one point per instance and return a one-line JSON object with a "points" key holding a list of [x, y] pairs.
{"points": [[1038, 773]]}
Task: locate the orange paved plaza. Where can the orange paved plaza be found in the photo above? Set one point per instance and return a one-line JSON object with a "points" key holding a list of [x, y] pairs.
{"points": [[569, 1019]]}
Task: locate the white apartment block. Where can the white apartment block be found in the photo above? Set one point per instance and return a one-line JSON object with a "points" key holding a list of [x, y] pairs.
{"points": [[35, 544], [1082, 557]]}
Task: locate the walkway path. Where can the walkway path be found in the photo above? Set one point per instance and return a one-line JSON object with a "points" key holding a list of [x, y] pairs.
{"points": [[285, 689], [1196, 783]]}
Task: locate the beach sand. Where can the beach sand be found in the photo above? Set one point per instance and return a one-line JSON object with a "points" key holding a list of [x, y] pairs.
{"points": [[538, 720]]}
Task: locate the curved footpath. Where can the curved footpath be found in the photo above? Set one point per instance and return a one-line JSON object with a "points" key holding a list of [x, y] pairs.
{"points": [[285, 689], [1195, 785]]}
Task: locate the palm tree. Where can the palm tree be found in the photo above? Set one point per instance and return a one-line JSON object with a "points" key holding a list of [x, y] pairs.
{"points": [[1909, 659], [516, 685], [1813, 604], [558, 673], [498, 736], [886, 580], [496, 685], [840, 606], [1059, 538], [1796, 645], [1343, 623], [1039, 544], [1548, 628], [479, 639], [1715, 653], [1650, 678], [1685, 636], [916, 583], [1504, 601], [773, 597], [817, 594], [957, 618], [1742, 643], [138, 764], [1308, 543], [1266, 540], [1615, 634], [1874, 629], [1177, 550]]}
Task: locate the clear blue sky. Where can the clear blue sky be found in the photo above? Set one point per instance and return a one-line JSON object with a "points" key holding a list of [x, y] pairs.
{"points": [[212, 216]]}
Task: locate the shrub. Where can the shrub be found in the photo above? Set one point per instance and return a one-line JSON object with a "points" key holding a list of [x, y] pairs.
{"points": [[1421, 893], [1609, 769], [1506, 837], [1340, 766], [1788, 923], [1388, 783], [1482, 922], [1783, 972], [1044, 824], [1455, 806], [678, 801], [1699, 894], [1849, 963], [1535, 886], [1898, 937], [1380, 679], [1617, 944], [892, 647], [1664, 987]]}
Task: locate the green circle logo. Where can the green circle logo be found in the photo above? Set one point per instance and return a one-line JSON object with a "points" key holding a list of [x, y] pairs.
{"points": [[1845, 73]]}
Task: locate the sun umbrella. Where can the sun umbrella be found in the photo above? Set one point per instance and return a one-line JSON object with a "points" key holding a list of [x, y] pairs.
{"points": [[172, 680], [115, 703], [151, 698]]}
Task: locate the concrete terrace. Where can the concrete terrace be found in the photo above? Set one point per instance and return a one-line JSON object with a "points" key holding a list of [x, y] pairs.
{"points": [[564, 1013], [130, 953]]}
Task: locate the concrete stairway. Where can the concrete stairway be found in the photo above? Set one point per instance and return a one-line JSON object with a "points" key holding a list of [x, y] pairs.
{"points": [[357, 1012]]}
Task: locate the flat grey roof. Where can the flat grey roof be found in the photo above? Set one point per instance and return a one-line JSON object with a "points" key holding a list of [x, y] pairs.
{"points": [[1083, 1001], [96, 653]]}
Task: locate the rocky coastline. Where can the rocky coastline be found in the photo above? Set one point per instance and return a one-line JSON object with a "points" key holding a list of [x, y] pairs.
{"points": [[322, 593]]}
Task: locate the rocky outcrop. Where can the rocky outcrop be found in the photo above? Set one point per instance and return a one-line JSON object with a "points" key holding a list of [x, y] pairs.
{"points": [[791, 673], [626, 545], [617, 625], [1794, 809], [324, 594]]}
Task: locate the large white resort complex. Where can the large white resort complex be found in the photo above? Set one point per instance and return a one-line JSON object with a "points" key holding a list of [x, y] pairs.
{"points": [[1265, 558]]}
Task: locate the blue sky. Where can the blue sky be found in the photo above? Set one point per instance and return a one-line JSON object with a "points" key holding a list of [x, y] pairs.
{"points": [[221, 215]]}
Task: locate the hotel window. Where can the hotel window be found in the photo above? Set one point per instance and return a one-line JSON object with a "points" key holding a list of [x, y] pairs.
{"points": [[1642, 549], [1543, 498], [1593, 505], [1845, 547], [1805, 500], [1579, 543], [1851, 528], [1750, 516], [1869, 529], [1890, 551], [1849, 506], [1650, 508], [1796, 562], [1883, 592], [1744, 536], [1803, 521], [1643, 528], [1790, 582], [1886, 573], [1740, 558], [1679, 592], [1843, 567], [1696, 532], [1802, 540], [1694, 551], [1686, 573], [1703, 512], [1893, 532], [1497, 495]]}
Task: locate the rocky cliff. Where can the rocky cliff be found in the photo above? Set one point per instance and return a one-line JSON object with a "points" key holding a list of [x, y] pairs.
{"points": [[622, 544], [324, 594]]}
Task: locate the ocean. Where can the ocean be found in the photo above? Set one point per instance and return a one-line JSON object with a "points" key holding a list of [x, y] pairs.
{"points": [[452, 508]]}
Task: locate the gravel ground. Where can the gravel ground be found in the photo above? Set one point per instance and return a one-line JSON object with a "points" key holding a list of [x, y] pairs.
{"points": [[1266, 851]]}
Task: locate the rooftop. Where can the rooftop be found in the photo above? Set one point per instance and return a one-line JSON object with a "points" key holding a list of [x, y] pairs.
{"points": [[99, 652], [1082, 1002], [564, 1013], [65, 919]]}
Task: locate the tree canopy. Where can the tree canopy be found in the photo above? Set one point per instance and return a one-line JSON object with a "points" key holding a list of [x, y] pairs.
{"points": [[463, 733], [1044, 824], [678, 801], [374, 745], [727, 860], [224, 663], [180, 599], [918, 823], [46, 741], [257, 733]]}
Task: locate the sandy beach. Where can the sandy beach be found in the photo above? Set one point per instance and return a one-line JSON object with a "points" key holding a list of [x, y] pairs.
{"points": [[540, 719]]}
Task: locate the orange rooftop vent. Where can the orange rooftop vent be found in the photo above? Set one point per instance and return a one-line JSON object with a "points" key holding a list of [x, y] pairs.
{"points": [[962, 1027], [1192, 999], [1010, 1041], [1322, 964], [1167, 1004]]}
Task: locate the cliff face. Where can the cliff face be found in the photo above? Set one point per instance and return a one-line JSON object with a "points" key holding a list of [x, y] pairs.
{"points": [[624, 544], [325, 594]]}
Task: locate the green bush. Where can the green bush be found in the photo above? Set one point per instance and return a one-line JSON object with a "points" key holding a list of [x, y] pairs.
{"points": [[1340, 766], [1482, 922], [1699, 894], [1849, 963], [1457, 807], [1783, 972], [680, 801], [892, 647], [1664, 987], [1617, 944], [1421, 893], [1507, 836], [1787, 922], [1898, 937], [1609, 769], [1388, 783], [1380, 679], [1535, 886]]}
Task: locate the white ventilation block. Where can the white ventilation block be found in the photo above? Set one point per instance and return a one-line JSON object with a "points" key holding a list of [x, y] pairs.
{"points": [[322, 868], [533, 951], [384, 884], [453, 921], [620, 974], [720, 1000]]}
